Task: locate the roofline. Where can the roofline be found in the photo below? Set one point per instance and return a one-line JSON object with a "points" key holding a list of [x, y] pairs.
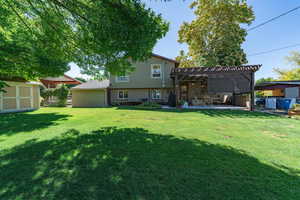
{"points": [[216, 69], [165, 58], [66, 76], [89, 88], [74, 79]]}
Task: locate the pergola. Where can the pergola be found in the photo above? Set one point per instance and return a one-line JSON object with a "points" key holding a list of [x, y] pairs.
{"points": [[52, 82], [235, 79]]}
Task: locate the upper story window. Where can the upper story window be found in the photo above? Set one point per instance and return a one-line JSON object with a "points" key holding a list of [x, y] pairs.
{"points": [[155, 71], [122, 79]]}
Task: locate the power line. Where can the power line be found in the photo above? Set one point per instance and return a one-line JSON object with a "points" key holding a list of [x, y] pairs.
{"points": [[273, 50], [272, 19]]}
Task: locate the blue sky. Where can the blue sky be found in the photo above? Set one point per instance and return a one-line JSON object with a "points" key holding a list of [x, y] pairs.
{"points": [[283, 32]]}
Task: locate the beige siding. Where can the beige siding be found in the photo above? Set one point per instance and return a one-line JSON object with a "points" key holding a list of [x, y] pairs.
{"points": [[36, 96], [25, 103], [89, 98], [19, 97], [9, 104], [24, 91], [141, 76], [10, 91], [137, 95]]}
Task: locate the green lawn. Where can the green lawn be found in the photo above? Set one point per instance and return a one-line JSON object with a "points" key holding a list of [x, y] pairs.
{"points": [[122, 153]]}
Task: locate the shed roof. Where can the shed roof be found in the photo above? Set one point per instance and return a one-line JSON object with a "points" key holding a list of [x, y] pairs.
{"points": [[277, 85], [92, 85]]}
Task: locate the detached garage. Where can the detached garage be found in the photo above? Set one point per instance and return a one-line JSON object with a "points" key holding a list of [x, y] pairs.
{"points": [[91, 94], [20, 96]]}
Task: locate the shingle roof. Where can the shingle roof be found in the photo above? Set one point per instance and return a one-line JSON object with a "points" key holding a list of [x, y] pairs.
{"points": [[92, 84], [164, 58], [277, 84], [218, 69], [64, 78], [280, 83]]}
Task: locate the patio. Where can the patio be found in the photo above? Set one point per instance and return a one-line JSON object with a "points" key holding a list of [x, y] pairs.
{"points": [[222, 87], [211, 107]]}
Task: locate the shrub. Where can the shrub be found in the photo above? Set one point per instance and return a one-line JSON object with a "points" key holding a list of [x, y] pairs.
{"points": [[149, 105], [62, 95], [296, 107]]}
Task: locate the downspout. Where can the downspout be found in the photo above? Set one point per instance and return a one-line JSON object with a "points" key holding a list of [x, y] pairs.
{"points": [[163, 75], [163, 79]]}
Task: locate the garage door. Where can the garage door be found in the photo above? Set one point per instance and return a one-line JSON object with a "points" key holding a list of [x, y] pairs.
{"points": [[16, 98], [89, 98]]}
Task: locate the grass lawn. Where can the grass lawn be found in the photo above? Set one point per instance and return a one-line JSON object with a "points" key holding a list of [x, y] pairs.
{"points": [[123, 153]]}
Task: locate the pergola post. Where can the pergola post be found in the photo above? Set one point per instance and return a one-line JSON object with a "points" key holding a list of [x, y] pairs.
{"points": [[252, 95], [177, 90]]}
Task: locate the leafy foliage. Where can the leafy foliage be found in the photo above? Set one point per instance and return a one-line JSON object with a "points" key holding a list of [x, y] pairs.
{"points": [[286, 75], [291, 74], [262, 80], [294, 58], [215, 36], [2, 85], [83, 80], [62, 94], [92, 34], [29, 53]]}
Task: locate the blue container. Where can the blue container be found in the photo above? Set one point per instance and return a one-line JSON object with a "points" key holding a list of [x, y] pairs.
{"points": [[279, 104], [283, 104], [286, 104]]}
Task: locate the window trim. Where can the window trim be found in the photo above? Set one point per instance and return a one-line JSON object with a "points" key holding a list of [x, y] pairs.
{"points": [[124, 81], [160, 65], [152, 96], [118, 94]]}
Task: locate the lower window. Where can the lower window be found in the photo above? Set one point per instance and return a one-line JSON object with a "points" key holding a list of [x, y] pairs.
{"points": [[123, 94], [156, 94]]}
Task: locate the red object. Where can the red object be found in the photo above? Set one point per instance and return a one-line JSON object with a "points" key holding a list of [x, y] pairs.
{"points": [[52, 82]]}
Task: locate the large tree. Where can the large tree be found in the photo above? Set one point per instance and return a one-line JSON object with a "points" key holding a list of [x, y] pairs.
{"points": [[26, 52], [215, 36], [40, 37]]}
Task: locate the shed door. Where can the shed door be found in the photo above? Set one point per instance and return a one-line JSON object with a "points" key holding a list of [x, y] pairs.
{"points": [[16, 98]]}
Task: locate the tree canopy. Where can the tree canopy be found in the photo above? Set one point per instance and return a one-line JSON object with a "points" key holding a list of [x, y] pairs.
{"points": [[215, 37], [40, 37], [262, 80], [28, 53], [293, 73], [287, 75]]}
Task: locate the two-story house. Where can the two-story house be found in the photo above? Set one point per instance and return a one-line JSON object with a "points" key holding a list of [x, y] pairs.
{"points": [[154, 79], [150, 81]]}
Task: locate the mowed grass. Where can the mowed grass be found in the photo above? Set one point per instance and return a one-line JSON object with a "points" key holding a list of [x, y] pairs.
{"points": [[124, 153]]}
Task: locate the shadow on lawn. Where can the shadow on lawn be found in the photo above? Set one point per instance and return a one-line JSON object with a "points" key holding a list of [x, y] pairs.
{"points": [[114, 163], [22, 122], [208, 112]]}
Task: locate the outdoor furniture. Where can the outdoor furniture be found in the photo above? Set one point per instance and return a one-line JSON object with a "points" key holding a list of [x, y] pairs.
{"points": [[197, 102]]}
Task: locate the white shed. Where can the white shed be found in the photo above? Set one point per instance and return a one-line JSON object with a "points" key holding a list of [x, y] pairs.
{"points": [[20, 96]]}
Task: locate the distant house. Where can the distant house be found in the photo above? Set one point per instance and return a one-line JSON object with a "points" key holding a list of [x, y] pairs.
{"points": [[287, 89], [159, 78]]}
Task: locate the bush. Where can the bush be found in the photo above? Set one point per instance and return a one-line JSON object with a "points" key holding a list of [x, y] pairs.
{"points": [[62, 95], [296, 107], [149, 105]]}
